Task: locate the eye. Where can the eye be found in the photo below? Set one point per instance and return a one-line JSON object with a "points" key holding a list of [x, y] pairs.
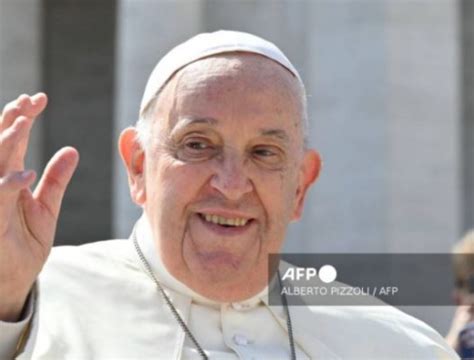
{"points": [[196, 149], [268, 155], [264, 152], [196, 145]]}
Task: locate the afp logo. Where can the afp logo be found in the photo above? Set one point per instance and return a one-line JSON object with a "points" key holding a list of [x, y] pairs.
{"points": [[327, 274]]}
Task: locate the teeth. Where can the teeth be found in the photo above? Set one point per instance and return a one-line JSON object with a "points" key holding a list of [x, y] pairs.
{"points": [[225, 221]]}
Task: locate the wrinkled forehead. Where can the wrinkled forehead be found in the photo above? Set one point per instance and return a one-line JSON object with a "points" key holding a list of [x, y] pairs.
{"points": [[238, 68], [239, 88], [250, 82]]}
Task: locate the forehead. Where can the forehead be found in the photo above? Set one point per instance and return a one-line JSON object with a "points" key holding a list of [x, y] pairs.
{"points": [[241, 86], [238, 68]]}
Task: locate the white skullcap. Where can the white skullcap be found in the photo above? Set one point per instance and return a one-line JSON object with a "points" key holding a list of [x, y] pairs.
{"points": [[204, 45]]}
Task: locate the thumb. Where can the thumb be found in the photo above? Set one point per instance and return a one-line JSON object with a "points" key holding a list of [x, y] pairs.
{"points": [[56, 177]]}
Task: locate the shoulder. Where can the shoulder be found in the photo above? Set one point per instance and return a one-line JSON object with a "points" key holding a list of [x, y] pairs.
{"points": [[371, 329], [99, 260], [106, 249], [378, 331]]}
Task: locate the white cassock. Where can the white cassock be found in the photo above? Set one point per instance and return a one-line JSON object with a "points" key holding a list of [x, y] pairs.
{"points": [[95, 301]]}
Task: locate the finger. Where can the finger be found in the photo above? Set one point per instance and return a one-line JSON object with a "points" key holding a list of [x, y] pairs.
{"points": [[56, 177], [10, 112], [23, 100], [38, 104], [32, 106], [14, 182], [29, 106], [13, 145]]}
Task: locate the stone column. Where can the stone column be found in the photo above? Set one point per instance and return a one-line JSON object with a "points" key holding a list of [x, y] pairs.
{"points": [[346, 87], [21, 61], [423, 115], [467, 127], [79, 50]]}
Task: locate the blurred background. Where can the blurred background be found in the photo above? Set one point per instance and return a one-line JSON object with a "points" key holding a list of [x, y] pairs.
{"points": [[390, 86]]}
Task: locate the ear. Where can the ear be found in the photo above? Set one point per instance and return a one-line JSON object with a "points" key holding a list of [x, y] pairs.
{"points": [[133, 157], [309, 173]]}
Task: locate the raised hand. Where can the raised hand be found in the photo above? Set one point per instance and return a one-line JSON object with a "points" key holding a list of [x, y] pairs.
{"points": [[27, 219]]}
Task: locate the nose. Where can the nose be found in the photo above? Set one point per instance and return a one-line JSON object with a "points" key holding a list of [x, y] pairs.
{"points": [[230, 178]]}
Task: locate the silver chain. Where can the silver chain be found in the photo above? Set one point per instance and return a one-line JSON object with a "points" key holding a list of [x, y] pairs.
{"points": [[180, 320]]}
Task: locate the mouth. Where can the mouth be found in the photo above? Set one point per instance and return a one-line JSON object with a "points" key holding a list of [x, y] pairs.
{"points": [[225, 225]]}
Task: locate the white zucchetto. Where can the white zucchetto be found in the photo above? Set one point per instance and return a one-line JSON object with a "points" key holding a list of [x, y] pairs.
{"points": [[205, 45]]}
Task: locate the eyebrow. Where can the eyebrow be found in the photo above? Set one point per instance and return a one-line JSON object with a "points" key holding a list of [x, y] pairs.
{"points": [[278, 133], [190, 121]]}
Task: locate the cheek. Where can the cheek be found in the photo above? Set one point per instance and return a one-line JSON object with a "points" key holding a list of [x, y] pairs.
{"points": [[172, 180], [172, 187], [276, 192]]}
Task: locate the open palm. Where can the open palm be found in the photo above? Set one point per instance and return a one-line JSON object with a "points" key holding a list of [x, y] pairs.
{"points": [[27, 219]]}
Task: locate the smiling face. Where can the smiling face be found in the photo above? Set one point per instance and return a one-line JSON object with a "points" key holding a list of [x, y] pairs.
{"points": [[224, 173]]}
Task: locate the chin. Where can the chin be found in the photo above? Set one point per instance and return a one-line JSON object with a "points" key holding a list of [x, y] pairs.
{"points": [[224, 268], [223, 275]]}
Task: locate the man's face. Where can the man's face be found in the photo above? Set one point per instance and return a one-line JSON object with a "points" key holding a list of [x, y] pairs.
{"points": [[225, 172]]}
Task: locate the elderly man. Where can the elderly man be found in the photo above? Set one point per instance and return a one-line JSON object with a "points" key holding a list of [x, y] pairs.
{"points": [[219, 165]]}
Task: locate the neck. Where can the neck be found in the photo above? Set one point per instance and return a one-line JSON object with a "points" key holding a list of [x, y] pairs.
{"points": [[237, 291]]}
